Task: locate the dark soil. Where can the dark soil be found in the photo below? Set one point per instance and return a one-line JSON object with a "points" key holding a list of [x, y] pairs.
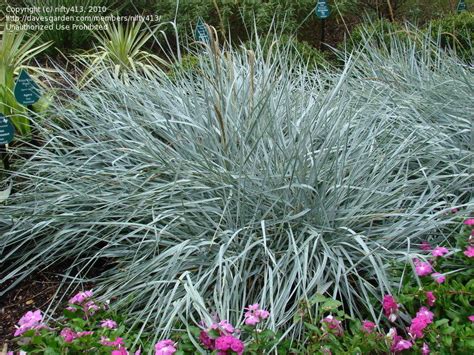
{"points": [[34, 292], [37, 291]]}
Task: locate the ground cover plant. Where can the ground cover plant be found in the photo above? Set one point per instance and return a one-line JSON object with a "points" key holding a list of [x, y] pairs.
{"points": [[252, 179]]}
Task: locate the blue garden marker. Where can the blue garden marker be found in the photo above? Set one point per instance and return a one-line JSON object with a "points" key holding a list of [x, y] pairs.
{"points": [[26, 90], [322, 9], [7, 132], [322, 12], [461, 6], [201, 34]]}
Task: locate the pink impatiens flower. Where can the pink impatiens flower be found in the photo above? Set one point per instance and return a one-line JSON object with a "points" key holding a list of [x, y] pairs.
{"points": [[208, 336], [117, 342], [469, 252], [68, 335], [207, 341], [439, 251], [425, 246], [81, 297], [400, 345], [108, 323], [425, 350], [430, 298], [390, 307], [469, 222], [255, 314], [227, 343], [165, 347], [120, 351], [422, 268], [368, 326], [439, 278], [425, 312], [471, 318], [418, 324], [31, 320]]}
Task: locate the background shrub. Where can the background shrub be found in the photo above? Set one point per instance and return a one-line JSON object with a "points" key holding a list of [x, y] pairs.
{"points": [[456, 32]]}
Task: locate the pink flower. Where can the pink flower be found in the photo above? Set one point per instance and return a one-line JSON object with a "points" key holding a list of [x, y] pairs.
{"points": [[119, 351], [117, 342], [108, 323], [255, 314], [226, 327], [333, 324], [439, 251], [229, 343], [207, 341], [430, 298], [252, 320], [85, 333], [425, 246], [469, 252], [165, 347], [454, 210], [30, 320], [424, 312], [471, 318], [439, 278], [81, 297], [422, 268], [68, 335], [253, 307], [400, 345], [91, 307], [418, 324], [368, 326], [263, 314], [469, 222], [425, 350], [392, 334], [390, 307]]}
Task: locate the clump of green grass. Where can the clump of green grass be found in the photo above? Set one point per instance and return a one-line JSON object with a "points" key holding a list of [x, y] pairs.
{"points": [[251, 180]]}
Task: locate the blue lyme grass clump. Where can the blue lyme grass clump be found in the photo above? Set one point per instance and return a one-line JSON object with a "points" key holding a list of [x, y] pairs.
{"points": [[251, 179]]}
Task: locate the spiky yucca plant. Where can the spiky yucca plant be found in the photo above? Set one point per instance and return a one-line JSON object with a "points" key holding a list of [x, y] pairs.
{"points": [[249, 180], [121, 51]]}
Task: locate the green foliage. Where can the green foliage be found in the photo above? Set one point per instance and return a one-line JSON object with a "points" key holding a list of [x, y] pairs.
{"points": [[120, 52], [289, 47], [452, 331], [379, 33], [80, 330], [237, 20], [456, 32], [17, 49]]}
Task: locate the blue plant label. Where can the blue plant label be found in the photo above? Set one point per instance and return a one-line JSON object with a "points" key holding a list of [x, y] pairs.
{"points": [[7, 131], [26, 90], [461, 6], [322, 9], [201, 33]]}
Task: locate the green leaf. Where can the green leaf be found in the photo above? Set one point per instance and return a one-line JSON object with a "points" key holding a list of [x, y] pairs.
{"points": [[447, 330], [441, 322]]}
